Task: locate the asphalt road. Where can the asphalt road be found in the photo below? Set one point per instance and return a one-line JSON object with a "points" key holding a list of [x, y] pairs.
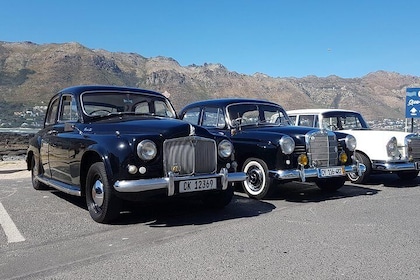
{"points": [[359, 232]]}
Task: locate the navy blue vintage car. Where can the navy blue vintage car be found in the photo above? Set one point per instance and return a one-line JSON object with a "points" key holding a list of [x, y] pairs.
{"points": [[269, 149], [111, 144]]}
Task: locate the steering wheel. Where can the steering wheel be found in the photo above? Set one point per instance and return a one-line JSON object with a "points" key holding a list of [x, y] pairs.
{"points": [[95, 112]]}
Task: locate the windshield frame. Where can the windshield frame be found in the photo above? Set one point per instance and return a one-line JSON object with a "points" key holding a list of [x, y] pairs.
{"points": [[114, 102]]}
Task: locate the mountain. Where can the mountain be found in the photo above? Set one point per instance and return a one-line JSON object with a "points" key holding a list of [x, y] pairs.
{"points": [[31, 73]]}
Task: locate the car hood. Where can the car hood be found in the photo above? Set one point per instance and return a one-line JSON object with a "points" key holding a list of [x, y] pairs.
{"points": [[273, 133], [165, 127], [374, 142], [381, 135], [290, 129]]}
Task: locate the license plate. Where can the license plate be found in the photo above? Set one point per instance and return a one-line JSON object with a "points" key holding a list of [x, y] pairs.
{"points": [[197, 185], [330, 172]]}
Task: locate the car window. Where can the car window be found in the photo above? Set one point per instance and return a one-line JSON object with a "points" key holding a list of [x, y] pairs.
{"points": [[293, 119], [161, 109], [306, 120], [273, 115], [68, 112], [142, 107], [257, 114], [213, 117], [342, 122], [350, 122], [244, 113], [330, 123], [51, 115], [192, 116]]}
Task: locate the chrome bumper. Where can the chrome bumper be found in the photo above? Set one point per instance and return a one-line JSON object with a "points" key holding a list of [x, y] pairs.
{"points": [[302, 173], [168, 183], [394, 166]]}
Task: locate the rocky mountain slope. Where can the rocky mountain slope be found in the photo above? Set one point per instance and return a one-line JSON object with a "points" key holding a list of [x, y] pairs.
{"points": [[30, 74]]}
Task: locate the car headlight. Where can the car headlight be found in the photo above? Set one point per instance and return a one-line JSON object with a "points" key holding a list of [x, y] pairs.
{"points": [[287, 145], [392, 147], [225, 149], [351, 142], [146, 150]]}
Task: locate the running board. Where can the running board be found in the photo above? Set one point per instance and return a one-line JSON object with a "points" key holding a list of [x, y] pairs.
{"points": [[66, 188]]}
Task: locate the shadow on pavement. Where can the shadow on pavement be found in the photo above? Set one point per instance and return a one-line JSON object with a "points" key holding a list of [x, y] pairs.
{"points": [[309, 192], [168, 212], [392, 181]]}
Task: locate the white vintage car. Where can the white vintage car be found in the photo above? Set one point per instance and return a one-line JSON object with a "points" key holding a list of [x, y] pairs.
{"points": [[381, 151]]}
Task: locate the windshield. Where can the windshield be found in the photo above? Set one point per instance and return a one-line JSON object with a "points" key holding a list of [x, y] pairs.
{"points": [[344, 122], [97, 104], [257, 114]]}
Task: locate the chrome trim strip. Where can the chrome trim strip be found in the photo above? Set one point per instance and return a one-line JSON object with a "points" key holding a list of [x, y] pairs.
{"points": [[66, 188]]}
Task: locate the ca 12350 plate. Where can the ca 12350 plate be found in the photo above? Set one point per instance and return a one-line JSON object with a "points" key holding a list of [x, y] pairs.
{"points": [[197, 185]]}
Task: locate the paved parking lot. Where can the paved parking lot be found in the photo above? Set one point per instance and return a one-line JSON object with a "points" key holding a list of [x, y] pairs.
{"points": [[360, 232]]}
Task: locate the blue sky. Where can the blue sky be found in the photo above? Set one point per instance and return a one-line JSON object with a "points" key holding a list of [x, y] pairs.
{"points": [[277, 38]]}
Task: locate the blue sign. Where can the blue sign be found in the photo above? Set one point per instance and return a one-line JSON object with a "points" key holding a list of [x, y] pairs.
{"points": [[412, 103]]}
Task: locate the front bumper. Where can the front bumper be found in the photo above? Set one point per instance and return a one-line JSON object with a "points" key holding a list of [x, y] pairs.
{"points": [[395, 166], [302, 173], [168, 183]]}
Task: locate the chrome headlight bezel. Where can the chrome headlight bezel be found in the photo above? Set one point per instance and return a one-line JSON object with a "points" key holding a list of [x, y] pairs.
{"points": [[146, 150], [392, 147], [351, 142], [287, 144], [225, 149]]}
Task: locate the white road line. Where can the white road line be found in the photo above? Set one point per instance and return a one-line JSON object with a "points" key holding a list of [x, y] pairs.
{"points": [[9, 227]]}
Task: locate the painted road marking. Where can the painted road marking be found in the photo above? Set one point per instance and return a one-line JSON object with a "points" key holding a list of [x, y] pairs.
{"points": [[9, 227]]}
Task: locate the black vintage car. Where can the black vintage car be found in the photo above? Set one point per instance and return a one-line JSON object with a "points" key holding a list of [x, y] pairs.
{"points": [[269, 149], [112, 143]]}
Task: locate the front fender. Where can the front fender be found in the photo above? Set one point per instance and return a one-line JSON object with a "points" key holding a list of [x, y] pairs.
{"points": [[113, 155]]}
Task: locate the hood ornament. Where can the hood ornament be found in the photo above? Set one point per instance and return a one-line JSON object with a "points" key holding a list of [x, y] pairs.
{"points": [[192, 130]]}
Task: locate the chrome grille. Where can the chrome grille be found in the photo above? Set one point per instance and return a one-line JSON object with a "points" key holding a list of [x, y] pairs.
{"points": [[322, 148], [413, 147], [190, 155]]}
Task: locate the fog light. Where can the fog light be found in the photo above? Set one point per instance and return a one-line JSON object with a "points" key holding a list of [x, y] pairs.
{"points": [[142, 170], [132, 169], [343, 157], [228, 165], [303, 159]]}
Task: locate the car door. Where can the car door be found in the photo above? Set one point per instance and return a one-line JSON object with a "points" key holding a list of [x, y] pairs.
{"points": [[50, 120], [63, 143]]}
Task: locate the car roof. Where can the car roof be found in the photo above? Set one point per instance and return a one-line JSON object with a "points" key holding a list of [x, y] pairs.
{"points": [[228, 101], [77, 90], [319, 111]]}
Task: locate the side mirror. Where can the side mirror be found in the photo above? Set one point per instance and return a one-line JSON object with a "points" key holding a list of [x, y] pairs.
{"points": [[68, 127], [71, 127]]}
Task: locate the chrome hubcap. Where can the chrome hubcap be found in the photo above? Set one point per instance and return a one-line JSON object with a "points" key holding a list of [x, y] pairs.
{"points": [[255, 178], [98, 193]]}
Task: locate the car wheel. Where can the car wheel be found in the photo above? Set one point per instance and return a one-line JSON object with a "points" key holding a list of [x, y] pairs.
{"points": [[330, 184], [35, 171], [354, 177], [219, 199], [408, 175], [257, 184], [103, 206]]}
